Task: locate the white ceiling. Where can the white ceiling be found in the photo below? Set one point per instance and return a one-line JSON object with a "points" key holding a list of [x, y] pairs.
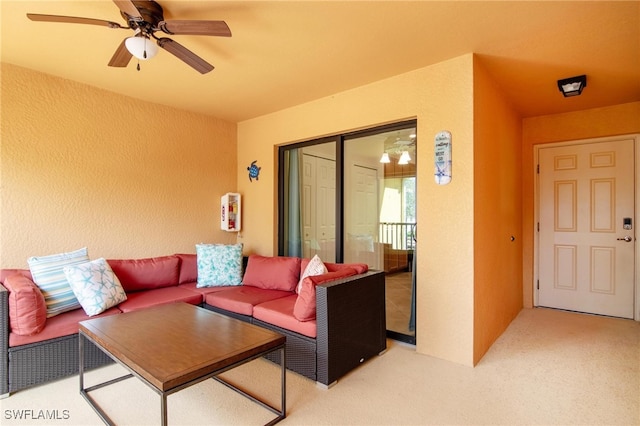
{"points": [[284, 53]]}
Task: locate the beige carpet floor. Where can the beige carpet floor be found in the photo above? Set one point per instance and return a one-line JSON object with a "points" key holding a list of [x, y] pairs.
{"points": [[548, 368]]}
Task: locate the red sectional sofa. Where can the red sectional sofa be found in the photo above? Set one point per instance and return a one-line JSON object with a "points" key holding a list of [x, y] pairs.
{"points": [[336, 322]]}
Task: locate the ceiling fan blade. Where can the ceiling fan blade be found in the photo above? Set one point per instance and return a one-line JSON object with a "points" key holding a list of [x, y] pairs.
{"points": [[121, 57], [185, 55], [195, 27], [128, 7], [73, 20]]}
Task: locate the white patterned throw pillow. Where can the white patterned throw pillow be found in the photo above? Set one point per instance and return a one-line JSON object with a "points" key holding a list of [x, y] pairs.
{"points": [[315, 267], [48, 274], [95, 285], [219, 264]]}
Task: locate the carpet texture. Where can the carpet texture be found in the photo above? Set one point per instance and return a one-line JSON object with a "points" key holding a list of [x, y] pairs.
{"points": [[548, 368]]}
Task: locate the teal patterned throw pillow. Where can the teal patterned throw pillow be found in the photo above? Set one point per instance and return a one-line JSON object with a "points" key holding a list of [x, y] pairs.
{"points": [[95, 285], [219, 264]]}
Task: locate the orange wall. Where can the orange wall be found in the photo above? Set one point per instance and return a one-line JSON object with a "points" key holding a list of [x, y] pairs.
{"points": [[440, 97], [497, 212], [599, 122], [81, 166]]}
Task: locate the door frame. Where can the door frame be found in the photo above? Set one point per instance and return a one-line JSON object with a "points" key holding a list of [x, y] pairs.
{"points": [[536, 210]]}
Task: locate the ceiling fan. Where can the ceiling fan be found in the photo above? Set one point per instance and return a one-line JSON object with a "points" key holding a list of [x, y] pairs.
{"points": [[146, 18]]}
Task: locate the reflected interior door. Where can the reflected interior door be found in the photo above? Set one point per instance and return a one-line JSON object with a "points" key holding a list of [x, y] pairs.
{"points": [[586, 264], [319, 207], [362, 206]]}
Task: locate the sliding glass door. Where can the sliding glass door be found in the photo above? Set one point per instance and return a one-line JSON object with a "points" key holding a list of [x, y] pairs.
{"points": [[351, 198], [308, 201]]}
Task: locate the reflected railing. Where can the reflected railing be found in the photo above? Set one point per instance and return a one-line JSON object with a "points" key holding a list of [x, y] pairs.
{"points": [[401, 235]]}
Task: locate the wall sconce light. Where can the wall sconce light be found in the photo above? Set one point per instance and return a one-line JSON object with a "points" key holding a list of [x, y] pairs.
{"points": [[572, 86], [385, 158]]}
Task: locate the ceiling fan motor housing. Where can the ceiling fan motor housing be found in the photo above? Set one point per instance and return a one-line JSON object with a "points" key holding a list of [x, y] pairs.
{"points": [[151, 13]]}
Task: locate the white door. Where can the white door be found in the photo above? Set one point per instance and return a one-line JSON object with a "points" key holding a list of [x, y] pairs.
{"points": [[319, 211], [326, 208], [310, 245], [586, 192], [363, 216]]}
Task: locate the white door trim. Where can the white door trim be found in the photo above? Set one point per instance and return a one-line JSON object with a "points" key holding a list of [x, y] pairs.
{"points": [[536, 207]]}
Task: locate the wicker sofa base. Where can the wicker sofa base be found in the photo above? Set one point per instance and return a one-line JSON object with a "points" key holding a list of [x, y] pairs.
{"points": [[351, 328], [300, 350], [53, 359]]}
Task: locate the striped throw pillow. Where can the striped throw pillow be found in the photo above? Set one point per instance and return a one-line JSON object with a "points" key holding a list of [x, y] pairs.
{"points": [[48, 274]]}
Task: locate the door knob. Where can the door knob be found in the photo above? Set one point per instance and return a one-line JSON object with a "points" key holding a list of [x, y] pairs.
{"points": [[627, 239]]}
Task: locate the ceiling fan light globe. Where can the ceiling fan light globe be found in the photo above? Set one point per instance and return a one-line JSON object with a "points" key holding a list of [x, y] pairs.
{"points": [[141, 47]]}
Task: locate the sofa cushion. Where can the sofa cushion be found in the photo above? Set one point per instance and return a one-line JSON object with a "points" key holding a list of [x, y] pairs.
{"points": [[272, 272], [279, 312], [4, 273], [360, 268], [305, 306], [95, 285], [188, 268], [242, 299], [159, 296], [314, 267], [64, 324], [27, 310], [204, 290], [146, 274], [219, 264], [48, 274]]}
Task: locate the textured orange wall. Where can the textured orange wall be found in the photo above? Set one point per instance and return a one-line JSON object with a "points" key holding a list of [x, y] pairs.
{"points": [[441, 98], [497, 212], [594, 123], [81, 166]]}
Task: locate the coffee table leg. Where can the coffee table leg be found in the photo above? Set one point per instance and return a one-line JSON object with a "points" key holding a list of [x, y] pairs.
{"points": [[81, 361], [163, 409], [283, 363]]}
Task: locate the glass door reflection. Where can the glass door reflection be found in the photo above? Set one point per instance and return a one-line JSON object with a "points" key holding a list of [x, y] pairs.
{"points": [[380, 217]]}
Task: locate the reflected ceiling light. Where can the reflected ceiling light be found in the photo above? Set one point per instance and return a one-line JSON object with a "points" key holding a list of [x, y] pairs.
{"points": [[404, 158], [385, 158], [141, 47], [572, 86]]}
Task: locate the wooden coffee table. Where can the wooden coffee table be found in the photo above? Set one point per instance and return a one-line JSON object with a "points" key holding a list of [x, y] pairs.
{"points": [[171, 347]]}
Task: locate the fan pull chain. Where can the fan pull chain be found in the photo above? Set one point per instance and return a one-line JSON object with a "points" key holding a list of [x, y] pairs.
{"points": [[144, 54]]}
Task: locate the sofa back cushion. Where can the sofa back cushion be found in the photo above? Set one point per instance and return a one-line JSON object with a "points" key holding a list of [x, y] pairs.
{"points": [[146, 274], [27, 310], [7, 272], [188, 268], [272, 272], [305, 307], [361, 268]]}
